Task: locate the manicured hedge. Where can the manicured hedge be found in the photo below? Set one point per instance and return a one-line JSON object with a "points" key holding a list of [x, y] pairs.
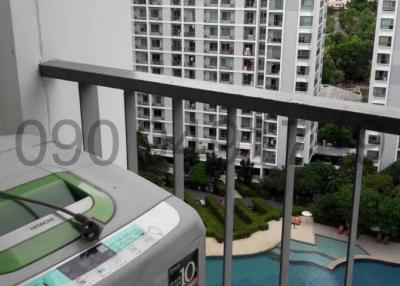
{"points": [[245, 221], [297, 210], [213, 227], [260, 205], [252, 190], [243, 212], [220, 188]]}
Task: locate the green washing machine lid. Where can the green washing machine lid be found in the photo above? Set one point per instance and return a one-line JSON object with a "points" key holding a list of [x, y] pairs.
{"points": [[29, 232]]}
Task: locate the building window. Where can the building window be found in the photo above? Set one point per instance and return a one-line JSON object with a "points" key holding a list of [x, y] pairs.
{"points": [[155, 43], [307, 4], [225, 77], [306, 21], [383, 59], [385, 41], [387, 24], [303, 70], [302, 86], [381, 75], [177, 72], [389, 5], [303, 54], [305, 38], [374, 139], [379, 92], [373, 155]]}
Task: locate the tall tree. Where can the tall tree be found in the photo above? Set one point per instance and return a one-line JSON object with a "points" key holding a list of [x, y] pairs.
{"points": [[246, 171], [191, 158], [215, 166]]}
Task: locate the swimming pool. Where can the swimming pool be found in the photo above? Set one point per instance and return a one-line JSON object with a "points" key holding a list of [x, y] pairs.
{"points": [[322, 253], [261, 270], [307, 267]]}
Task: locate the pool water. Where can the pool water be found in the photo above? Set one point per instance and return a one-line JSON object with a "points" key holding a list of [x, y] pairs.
{"points": [[261, 270], [306, 267], [322, 253]]}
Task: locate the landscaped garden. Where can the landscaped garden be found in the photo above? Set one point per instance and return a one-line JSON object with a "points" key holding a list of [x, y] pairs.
{"points": [[321, 188]]}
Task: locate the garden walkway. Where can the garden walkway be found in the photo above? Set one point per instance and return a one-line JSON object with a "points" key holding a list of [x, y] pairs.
{"points": [[261, 241]]}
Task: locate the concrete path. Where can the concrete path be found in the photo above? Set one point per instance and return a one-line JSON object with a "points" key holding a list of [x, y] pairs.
{"points": [[265, 240], [379, 251], [261, 241]]}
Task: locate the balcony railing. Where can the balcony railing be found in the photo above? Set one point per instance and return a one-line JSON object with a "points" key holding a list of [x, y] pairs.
{"points": [[356, 115]]}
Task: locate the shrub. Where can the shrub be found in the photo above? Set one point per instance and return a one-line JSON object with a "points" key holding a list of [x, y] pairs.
{"points": [[220, 188], [260, 205], [243, 212], [252, 190], [393, 171], [216, 209], [198, 177], [297, 210], [213, 227]]}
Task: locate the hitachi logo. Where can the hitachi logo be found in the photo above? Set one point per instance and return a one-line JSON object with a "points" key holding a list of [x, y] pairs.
{"points": [[42, 223]]}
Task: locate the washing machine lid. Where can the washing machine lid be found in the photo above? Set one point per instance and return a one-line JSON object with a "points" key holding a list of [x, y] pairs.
{"points": [[29, 232]]}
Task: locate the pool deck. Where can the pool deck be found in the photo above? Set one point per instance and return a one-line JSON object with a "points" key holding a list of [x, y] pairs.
{"points": [[262, 241], [377, 251]]}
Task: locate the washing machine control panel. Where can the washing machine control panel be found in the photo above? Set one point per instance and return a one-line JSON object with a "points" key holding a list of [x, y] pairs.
{"points": [[112, 253]]}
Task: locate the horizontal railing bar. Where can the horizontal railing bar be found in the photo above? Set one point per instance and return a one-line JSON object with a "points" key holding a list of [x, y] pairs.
{"points": [[352, 114]]}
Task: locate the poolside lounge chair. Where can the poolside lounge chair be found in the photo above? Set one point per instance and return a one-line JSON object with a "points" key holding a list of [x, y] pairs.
{"points": [[341, 229], [386, 239], [378, 237]]}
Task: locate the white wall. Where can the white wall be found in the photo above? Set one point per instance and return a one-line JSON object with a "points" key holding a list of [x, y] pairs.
{"points": [[90, 31], [9, 91]]}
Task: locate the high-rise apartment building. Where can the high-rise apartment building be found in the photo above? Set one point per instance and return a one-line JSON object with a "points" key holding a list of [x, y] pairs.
{"points": [[276, 45], [384, 149]]}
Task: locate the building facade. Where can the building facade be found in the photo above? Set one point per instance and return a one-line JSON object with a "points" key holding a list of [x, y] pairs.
{"points": [[275, 45], [384, 149]]}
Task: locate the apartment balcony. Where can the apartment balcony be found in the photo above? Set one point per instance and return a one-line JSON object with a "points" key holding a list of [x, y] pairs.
{"points": [[229, 51], [352, 114], [227, 3], [142, 61], [211, 3], [155, 16], [250, 4], [276, 4], [189, 17], [158, 62], [176, 47], [189, 2], [159, 117], [275, 20], [210, 107], [140, 14], [191, 105]]}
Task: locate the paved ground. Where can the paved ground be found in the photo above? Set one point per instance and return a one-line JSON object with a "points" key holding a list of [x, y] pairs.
{"points": [[379, 251], [263, 240]]}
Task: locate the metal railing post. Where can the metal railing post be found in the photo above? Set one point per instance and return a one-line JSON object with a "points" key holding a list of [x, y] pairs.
{"points": [[131, 131], [288, 204], [178, 131], [90, 117], [229, 197], [355, 209]]}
